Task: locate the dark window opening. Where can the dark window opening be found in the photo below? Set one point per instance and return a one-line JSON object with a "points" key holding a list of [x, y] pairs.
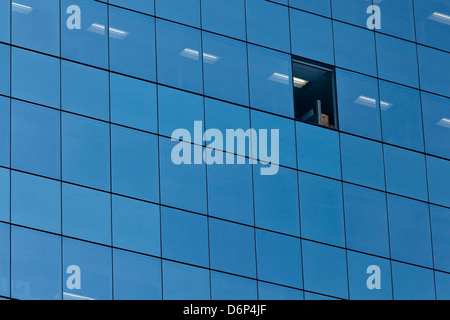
{"points": [[314, 93]]}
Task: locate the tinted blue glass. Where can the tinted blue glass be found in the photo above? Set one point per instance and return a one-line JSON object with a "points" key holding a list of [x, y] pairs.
{"points": [[36, 202], [132, 43], [438, 178], [436, 122], [145, 6], [35, 139], [366, 220], [232, 248], [134, 163], [412, 283], [85, 151], [276, 201], [184, 237], [192, 178], [409, 228], [321, 207], [268, 291], [184, 11], [440, 224], [5, 23], [224, 17], [4, 194], [316, 44], [359, 110], [83, 32], [27, 81], [358, 276], [32, 19], [179, 61], [405, 173], [279, 258], [434, 76], [401, 116], [268, 24], [96, 274], [362, 161], [181, 282], [136, 277], [5, 69], [318, 150], [400, 67], [136, 225], [349, 40], [270, 81], [86, 214], [314, 296], [5, 131], [318, 6], [228, 287], [35, 265], [5, 260], [133, 103], [432, 22], [85, 90], [225, 68], [286, 135], [398, 18], [352, 11], [324, 269], [442, 285]]}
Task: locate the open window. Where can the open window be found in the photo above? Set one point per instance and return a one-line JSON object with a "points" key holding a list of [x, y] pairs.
{"points": [[314, 93]]}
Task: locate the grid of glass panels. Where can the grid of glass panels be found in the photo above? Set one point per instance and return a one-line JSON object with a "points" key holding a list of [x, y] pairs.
{"points": [[91, 91]]}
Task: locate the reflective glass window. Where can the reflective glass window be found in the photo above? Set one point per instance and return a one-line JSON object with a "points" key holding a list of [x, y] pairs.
{"points": [[442, 285], [4, 194], [318, 6], [434, 71], [438, 178], [397, 18], [228, 287], [183, 11], [440, 224], [5, 68], [351, 11], [5, 23], [5, 131], [436, 122], [268, 291], [5, 260], [412, 283], [224, 17], [145, 6]]}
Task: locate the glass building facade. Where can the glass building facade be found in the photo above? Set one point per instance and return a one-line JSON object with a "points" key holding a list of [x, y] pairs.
{"points": [[92, 205]]}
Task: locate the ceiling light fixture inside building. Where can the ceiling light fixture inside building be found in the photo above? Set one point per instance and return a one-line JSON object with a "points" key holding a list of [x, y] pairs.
{"points": [[444, 122], [440, 17], [17, 7]]}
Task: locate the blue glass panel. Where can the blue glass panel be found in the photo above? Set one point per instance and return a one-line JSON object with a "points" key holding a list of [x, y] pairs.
{"points": [[268, 24], [352, 11], [318, 297], [321, 208], [359, 273], [86, 214], [228, 287], [412, 283], [232, 248], [436, 122], [401, 116], [136, 277], [442, 285], [5, 22], [224, 17], [36, 202], [136, 225], [179, 61], [279, 258], [35, 25], [182, 282], [134, 163], [225, 68], [133, 103], [362, 161], [438, 178], [132, 43], [27, 81], [5, 53], [409, 228], [397, 18], [268, 291], [35, 265], [400, 67], [358, 105], [318, 150], [270, 75], [324, 269], [440, 224], [35, 139], [318, 6], [83, 32], [4, 195], [184, 11], [366, 220], [5, 260], [85, 90], [434, 76], [145, 6], [5, 131], [316, 45], [85, 151], [349, 40], [95, 274], [184, 237], [276, 201]]}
